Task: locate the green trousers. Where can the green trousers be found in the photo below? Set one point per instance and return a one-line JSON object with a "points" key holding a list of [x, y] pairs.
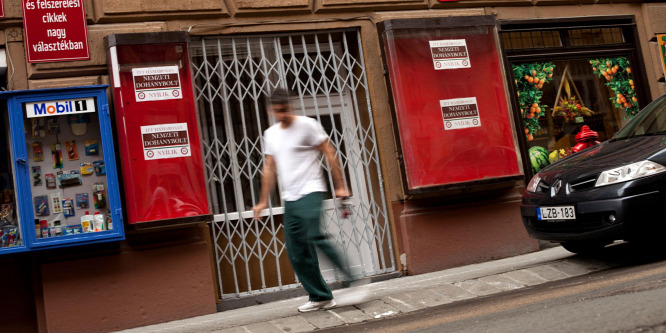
{"points": [[303, 233]]}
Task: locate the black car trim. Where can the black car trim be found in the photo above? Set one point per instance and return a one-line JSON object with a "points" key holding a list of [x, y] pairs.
{"points": [[583, 185], [593, 206]]}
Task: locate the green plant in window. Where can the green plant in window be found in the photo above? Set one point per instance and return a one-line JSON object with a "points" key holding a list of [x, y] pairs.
{"points": [[617, 72], [530, 79]]}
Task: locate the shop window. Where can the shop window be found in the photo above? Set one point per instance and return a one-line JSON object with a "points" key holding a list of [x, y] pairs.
{"points": [[569, 94], [591, 80]]}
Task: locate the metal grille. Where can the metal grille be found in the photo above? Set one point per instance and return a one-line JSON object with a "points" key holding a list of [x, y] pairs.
{"points": [[326, 73]]}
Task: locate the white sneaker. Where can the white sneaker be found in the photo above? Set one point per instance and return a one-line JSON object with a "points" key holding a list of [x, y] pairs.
{"points": [[312, 306]]}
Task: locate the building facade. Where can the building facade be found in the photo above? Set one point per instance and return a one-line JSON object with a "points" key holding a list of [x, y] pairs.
{"points": [[590, 63]]}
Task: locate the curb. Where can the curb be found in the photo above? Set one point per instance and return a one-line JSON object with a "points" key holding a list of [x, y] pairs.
{"points": [[395, 296]]}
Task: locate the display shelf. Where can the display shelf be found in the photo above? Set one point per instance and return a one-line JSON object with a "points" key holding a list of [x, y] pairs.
{"points": [[63, 166]]}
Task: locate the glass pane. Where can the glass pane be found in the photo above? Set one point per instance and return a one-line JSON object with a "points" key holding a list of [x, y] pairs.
{"points": [[531, 40], [68, 183], [557, 103], [330, 126], [597, 36]]}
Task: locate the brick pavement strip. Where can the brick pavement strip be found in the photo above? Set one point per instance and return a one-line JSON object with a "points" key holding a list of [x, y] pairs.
{"points": [[262, 327], [478, 287], [350, 314], [322, 319], [293, 324], [589, 263], [416, 300], [502, 282], [232, 330], [572, 268], [454, 293], [377, 309], [548, 272], [525, 277]]}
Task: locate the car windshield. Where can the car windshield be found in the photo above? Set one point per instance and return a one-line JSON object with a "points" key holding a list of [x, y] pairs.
{"points": [[650, 121]]}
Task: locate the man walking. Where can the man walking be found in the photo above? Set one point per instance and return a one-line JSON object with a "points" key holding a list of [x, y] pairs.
{"points": [[291, 148]]}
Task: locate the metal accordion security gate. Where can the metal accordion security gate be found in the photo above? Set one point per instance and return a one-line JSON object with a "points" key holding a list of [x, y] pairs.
{"points": [[326, 75]]}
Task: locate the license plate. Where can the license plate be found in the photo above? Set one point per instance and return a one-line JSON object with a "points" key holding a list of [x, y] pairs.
{"points": [[556, 213]]}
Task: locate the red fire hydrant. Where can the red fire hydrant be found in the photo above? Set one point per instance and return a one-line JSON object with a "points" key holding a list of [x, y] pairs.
{"points": [[585, 138]]}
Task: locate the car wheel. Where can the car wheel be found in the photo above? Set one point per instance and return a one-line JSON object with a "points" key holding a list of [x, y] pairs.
{"points": [[584, 247]]}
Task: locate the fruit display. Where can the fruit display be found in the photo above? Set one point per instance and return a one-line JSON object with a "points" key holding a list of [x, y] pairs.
{"points": [[530, 79], [539, 158], [556, 155], [617, 73], [570, 108], [569, 101]]}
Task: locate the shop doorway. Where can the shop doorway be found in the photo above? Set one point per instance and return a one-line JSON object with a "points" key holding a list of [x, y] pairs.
{"points": [[568, 74], [326, 74]]}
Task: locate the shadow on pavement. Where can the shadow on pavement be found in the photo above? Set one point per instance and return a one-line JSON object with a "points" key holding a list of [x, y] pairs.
{"points": [[630, 253]]}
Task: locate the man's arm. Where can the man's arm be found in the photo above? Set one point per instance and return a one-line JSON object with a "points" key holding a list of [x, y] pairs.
{"points": [[336, 172], [267, 185]]}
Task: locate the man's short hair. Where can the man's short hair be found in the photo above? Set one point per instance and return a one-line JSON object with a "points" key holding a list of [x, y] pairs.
{"points": [[279, 96]]}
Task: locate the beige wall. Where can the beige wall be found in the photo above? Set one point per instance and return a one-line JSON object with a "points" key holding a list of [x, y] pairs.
{"points": [[225, 17], [412, 220]]}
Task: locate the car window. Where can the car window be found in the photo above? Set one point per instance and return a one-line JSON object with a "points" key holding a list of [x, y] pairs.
{"points": [[649, 121]]}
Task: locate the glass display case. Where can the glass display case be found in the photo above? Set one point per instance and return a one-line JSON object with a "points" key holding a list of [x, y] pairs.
{"points": [[452, 117], [59, 179], [159, 148]]}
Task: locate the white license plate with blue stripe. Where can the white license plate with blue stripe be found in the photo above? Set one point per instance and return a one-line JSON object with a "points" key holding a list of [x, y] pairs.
{"points": [[556, 213]]}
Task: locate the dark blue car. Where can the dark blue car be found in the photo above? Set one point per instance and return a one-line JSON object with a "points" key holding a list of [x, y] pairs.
{"points": [[612, 191]]}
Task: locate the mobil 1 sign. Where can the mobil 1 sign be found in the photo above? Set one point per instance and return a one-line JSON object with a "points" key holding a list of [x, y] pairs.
{"points": [[55, 30], [60, 107]]}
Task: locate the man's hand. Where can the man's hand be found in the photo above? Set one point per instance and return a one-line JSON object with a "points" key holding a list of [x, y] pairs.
{"points": [[341, 193], [258, 208]]}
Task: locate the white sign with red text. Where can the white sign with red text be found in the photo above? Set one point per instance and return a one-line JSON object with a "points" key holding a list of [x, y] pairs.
{"points": [[156, 83], [165, 141], [460, 113], [449, 54]]}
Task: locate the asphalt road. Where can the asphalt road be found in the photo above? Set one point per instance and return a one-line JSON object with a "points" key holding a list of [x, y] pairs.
{"points": [[628, 298]]}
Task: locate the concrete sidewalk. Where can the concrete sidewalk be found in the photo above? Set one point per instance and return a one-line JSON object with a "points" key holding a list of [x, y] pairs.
{"points": [[393, 296]]}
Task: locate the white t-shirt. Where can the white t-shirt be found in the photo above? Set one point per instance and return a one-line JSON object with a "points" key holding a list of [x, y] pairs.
{"points": [[296, 156]]}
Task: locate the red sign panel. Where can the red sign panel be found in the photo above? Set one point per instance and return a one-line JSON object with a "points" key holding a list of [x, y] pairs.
{"points": [[452, 114], [2, 8], [158, 136], [55, 30]]}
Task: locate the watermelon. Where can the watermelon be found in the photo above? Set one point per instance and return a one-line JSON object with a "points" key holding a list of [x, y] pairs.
{"points": [[538, 158]]}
